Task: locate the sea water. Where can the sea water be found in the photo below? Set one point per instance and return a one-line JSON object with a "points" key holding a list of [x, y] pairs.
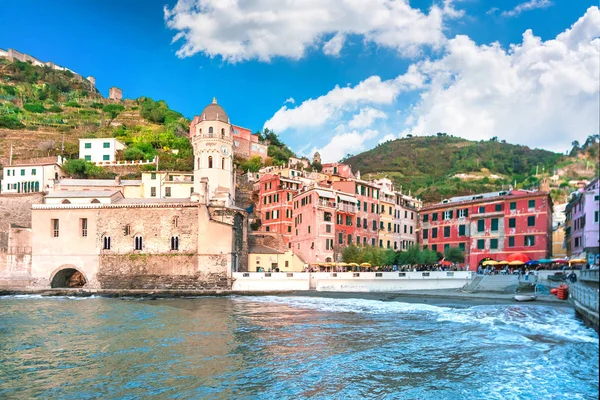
{"points": [[291, 348]]}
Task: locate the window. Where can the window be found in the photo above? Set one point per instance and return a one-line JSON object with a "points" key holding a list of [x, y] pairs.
{"points": [[531, 220], [358, 222], [480, 225], [365, 223], [372, 241], [83, 225], [174, 243], [348, 220], [88, 158], [531, 203], [87, 145], [365, 206], [425, 233], [380, 243], [222, 131], [222, 163], [55, 228], [210, 160], [511, 241], [596, 217], [512, 222], [268, 217], [433, 233], [106, 145], [425, 217], [326, 244], [447, 215], [494, 224], [461, 246], [498, 207], [434, 216], [462, 213], [106, 243], [167, 192], [446, 231], [374, 225], [210, 130], [405, 229], [364, 241], [327, 228], [446, 246], [138, 243], [493, 244], [480, 244], [33, 172], [577, 241], [381, 225], [289, 229], [127, 230], [529, 240], [8, 172], [461, 230], [434, 247], [340, 238], [152, 192], [358, 240], [153, 175], [106, 157], [481, 209], [349, 239], [513, 205]]}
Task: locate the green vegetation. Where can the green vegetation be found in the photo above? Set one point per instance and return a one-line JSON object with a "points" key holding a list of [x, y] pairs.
{"points": [[378, 257], [454, 254], [278, 151], [34, 108], [427, 166], [79, 168], [10, 122]]}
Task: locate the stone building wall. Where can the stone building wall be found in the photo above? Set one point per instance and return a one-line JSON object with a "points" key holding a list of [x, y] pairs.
{"points": [[16, 209]]}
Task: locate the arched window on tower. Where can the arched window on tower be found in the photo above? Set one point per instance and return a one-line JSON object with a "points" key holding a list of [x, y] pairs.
{"points": [[138, 243], [222, 132], [210, 131], [210, 164], [174, 243], [223, 163]]}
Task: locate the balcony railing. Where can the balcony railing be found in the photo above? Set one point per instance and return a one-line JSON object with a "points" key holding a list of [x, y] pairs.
{"points": [[585, 295], [324, 203], [346, 208], [590, 275]]}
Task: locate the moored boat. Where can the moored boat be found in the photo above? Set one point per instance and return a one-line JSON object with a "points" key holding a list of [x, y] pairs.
{"points": [[525, 297]]}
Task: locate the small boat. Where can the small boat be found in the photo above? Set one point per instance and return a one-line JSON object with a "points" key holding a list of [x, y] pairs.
{"points": [[525, 297]]}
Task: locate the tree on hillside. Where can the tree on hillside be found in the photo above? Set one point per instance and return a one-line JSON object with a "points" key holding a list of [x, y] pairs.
{"points": [[454, 254], [317, 166]]}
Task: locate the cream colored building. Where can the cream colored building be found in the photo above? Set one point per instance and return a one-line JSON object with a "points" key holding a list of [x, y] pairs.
{"points": [[162, 184], [29, 178], [131, 188], [109, 241]]}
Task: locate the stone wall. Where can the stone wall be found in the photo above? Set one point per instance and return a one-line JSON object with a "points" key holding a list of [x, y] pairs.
{"points": [[15, 209], [157, 271]]}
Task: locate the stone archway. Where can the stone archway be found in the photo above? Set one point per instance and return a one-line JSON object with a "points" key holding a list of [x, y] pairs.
{"points": [[68, 276]]}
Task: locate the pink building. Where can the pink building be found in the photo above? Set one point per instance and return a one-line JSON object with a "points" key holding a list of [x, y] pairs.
{"points": [[367, 216], [314, 230], [582, 235], [246, 144], [338, 169]]}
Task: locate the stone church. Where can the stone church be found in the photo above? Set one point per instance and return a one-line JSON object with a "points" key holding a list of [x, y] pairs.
{"points": [[100, 239]]}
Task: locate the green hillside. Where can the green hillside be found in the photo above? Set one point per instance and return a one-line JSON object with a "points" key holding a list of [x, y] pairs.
{"points": [[441, 166]]}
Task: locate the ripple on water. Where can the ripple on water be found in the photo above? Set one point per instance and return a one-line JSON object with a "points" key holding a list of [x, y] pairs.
{"points": [[291, 347]]}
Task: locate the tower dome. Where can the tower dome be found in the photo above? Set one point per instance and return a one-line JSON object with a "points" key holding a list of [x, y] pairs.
{"points": [[214, 112]]}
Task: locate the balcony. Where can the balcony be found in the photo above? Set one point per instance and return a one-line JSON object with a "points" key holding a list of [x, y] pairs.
{"points": [[346, 208], [325, 203]]}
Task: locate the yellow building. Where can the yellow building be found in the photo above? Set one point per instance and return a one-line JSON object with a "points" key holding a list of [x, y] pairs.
{"points": [[163, 184], [267, 259]]}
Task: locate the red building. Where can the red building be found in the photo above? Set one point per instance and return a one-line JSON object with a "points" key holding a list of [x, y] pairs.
{"points": [[367, 215], [345, 220], [491, 225], [275, 204]]}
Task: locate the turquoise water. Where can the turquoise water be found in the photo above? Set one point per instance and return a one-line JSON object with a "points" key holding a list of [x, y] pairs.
{"points": [[291, 348]]}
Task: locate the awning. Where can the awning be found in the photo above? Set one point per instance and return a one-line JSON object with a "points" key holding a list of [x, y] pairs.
{"points": [[323, 193], [349, 199]]}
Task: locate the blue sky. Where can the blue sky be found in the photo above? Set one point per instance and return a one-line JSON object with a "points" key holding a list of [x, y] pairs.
{"points": [[401, 67]]}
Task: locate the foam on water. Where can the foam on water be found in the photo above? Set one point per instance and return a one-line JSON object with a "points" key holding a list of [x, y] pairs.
{"points": [[39, 296]]}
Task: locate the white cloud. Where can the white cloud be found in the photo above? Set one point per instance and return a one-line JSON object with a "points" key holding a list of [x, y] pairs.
{"points": [[289, 100], [526, 6], [317, 112], [543, 94], [333, 46], [245, 30], [365, 117], [344, 143], [538, 93]]}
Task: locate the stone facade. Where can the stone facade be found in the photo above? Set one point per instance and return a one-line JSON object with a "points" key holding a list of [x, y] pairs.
{"points": [[114, 93], [16, 209]]}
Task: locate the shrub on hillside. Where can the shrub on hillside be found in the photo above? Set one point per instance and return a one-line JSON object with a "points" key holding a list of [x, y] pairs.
{"points": [[34, 108], [134, 154], [10, 122], [97, 105], [72, 103], [8, 90], [113, 110], [55, 109], [84, 169]]}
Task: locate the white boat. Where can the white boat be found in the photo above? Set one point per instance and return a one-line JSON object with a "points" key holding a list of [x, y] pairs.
{"points": [[525, 297]]}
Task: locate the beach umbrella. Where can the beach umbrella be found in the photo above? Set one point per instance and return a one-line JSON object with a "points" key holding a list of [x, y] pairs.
{"points": [[365, 265], [446, 263], [504, 262], [513, 263], [490, 262], [353, 265], [342, 264], [560, 261], [545, 261], [578, 261], [532, 262], [518, 257]]}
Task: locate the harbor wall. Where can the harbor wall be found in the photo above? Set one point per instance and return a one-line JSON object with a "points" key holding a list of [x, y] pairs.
{"points": [[350, 281]]}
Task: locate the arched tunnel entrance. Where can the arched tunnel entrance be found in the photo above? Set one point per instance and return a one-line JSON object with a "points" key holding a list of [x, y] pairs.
{"points": [[68, 278]]}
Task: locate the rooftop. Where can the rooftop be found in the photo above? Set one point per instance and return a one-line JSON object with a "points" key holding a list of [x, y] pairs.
{"points": [[98, 182], [260, 249], [82, 193]]}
